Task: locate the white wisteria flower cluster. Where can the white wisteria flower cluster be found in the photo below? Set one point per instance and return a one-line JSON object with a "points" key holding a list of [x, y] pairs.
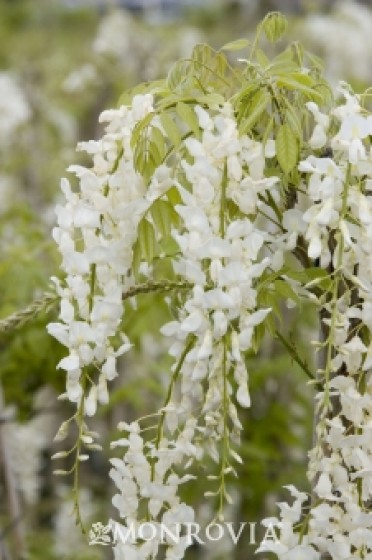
{"points": [[97, 228], [337, 523], [215, 327]]}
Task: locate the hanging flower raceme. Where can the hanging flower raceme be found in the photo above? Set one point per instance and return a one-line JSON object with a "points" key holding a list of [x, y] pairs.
{"points": [[97, 228], [337, 523], [220, 258]]}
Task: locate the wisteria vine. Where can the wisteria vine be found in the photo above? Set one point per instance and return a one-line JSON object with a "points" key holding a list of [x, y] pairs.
{"points": [[231, 175]]}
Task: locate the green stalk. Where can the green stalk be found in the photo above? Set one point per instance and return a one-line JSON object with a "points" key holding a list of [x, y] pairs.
{"points": [[225, 442], [225, 437]]}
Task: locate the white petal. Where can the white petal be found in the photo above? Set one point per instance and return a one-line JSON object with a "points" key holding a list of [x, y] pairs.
{"points": [[242, 396], [193, 322], [91, 402], [324, 486], [315, 247], [69, 363]]}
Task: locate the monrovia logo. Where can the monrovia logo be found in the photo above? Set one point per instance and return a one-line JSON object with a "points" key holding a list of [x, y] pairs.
{"points": [[187, 532]]}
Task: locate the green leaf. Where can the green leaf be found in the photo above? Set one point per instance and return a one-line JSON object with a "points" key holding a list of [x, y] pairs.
{"points": [[299, 79], [300, 82], [149, 148], [316, 61], [256, 108], [293, 118], [188, 116], [245, 94], [325, 91], [203, 53], [237, 45], [285, 290], [158, 145], [283, 63], [179, 77], [268, 130], [274, 26], [171, 129], [174, 196], [315, 274], [164, 216], [139, 129], [221, 64], [147, 240], [259, 333], [204, 66], [210, 99], [262, 59], [298, 53], [286, 148], [145, 159]]}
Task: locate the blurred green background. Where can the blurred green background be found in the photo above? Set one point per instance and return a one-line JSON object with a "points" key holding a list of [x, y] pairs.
{"points": [[61, 63]]}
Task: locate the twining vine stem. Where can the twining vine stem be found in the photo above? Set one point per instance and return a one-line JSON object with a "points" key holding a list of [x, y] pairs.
{"points": [[48, 302]]}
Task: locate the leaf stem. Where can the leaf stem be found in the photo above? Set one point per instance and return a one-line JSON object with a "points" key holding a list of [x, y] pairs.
{"points": [[76, 467], [294, 355]]}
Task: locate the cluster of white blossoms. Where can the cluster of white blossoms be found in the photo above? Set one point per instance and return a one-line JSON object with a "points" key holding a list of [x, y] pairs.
{"points": [[337, 523], [221, 259], [97, 228]]}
